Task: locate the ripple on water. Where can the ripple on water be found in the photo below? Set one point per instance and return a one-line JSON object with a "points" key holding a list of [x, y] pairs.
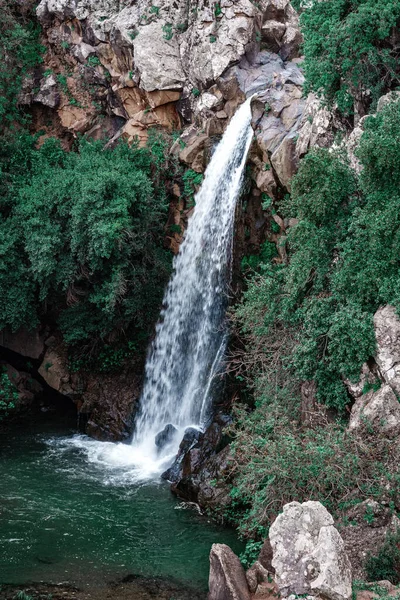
{"points": [[74, 509]]}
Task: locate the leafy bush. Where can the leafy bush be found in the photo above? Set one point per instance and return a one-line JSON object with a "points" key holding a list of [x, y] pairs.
{"points": [[343, 261], [8, 395], [312, 319], [351, 50], [81, 237], [20, 52], [386, 564]]}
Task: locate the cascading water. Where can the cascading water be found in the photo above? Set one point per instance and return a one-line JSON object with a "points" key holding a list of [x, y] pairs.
{"points": [[191, 335]]}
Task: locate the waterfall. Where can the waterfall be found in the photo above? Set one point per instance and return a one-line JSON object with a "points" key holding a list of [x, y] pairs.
{"points": [[191, 335]]}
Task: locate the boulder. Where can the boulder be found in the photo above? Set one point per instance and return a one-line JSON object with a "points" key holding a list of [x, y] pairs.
{"points": [[55, 372], [376, 412], [308, 553], [165, 436], [256, 575], [157, 59], [227, 579], [24, 342], [189, 440], [387, 333], [48, 94]]}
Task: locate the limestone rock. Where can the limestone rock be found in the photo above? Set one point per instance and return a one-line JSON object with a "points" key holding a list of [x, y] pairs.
{"points": [[387, 332], [227, 579], [158, 60], [54, 371], [377, 411], [256, 575], [308, 553], [315, 127], [387, 99], [74, 118], [48, 94], [284, 161], [368, 377]]}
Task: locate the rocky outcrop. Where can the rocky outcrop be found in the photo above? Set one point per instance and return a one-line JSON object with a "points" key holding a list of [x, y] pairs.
{"points": [[387, 333], [30, 344], [364, 529], [376, 413], [227, 579], [308, 553]]}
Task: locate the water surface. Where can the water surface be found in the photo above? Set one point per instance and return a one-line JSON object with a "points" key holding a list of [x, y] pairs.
{"points": [[67, 518]]}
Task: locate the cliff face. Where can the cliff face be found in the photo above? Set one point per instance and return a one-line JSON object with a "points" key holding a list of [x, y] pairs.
{"points": [[118, 68]]}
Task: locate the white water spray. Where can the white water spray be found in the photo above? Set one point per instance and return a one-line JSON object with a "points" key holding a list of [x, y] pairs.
{"points": [[190, 341], [191, 335]]}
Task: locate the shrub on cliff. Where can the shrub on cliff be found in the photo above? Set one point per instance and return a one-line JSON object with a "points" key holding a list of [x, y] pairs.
{"points": [[20, 52], [343, 261], [82, 237], [351, 50], [312, 319]]}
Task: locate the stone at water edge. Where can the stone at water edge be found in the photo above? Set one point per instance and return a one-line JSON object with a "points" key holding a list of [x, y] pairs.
{"points": [[165, 436], [308, 553], [227, 579]]}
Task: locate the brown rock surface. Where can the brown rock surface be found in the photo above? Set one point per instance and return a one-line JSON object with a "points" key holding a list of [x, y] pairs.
{"points": [[227, 579]]}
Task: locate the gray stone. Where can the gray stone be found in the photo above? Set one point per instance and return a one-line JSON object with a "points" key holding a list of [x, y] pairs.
{"points": [[376, 412], [227, 579], [387, 333], [308, 553], [48, 94]]}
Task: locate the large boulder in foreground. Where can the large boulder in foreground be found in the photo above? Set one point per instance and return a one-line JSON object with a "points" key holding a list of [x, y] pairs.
{"points": [[227, 579], [308, 553]]}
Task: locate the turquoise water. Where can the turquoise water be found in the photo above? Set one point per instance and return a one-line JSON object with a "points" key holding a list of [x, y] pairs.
{"points": [[65, 519]]}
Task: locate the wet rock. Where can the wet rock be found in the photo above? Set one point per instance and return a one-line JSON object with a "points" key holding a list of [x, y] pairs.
{"points": [[189, 440], [27, 343], [54, 370], [308, 553], [227, 579], [376, 412], [165, 436], [266, 555]]}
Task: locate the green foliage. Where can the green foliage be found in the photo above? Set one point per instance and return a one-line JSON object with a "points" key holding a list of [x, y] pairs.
{"points": [[168, 33], [311, 319], [8, 395], [20, 52], [250, 553], [351, 50], [93, 61], [191, 182], [253, 262], [275, 462], [81, 237], [386, 564], [343, 260], [196, 92]]}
